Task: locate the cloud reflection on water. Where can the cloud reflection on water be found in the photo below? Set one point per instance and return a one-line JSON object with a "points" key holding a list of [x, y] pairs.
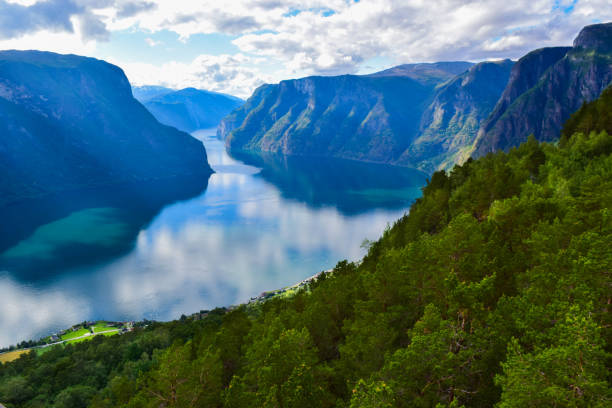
{"points": [[240, 237]]}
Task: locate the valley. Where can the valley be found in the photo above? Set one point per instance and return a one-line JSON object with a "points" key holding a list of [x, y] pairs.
{"points": [[273, 205]]}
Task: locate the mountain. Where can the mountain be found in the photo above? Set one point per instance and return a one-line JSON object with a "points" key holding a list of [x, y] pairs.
{"points": [[370, 118], [147, 92], [546, 86], [69, 122], [188, 109], [348, 116], [427, 73], [450, 124], [416, 115]]}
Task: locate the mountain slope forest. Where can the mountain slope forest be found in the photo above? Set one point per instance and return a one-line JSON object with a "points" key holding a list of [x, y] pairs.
{"points": [[493, 291]]}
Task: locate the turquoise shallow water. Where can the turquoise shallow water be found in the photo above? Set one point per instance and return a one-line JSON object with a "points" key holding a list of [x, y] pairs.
{"points": [[260, 223]]}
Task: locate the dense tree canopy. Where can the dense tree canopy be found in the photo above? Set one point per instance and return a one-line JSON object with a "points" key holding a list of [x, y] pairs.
{"points": [[494, 290]]}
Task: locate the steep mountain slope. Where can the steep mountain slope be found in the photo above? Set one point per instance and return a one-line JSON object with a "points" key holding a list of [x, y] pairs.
{"points": [[546, 87], [348, 116], [69, 122], [450, 124], [415, 115], [189, 109], [370, 118]]}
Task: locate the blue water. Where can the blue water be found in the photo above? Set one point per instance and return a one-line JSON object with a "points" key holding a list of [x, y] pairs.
{"points": [[259, 223]]}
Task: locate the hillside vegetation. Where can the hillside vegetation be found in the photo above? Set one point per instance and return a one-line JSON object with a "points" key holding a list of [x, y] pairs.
{"points": [[493, 291]]}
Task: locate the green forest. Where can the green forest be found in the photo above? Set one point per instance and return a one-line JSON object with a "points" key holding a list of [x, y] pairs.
{"points": [[494, 290]]}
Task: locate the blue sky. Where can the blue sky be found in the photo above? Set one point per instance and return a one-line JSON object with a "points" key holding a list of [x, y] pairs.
{"points": [[235, 46]]}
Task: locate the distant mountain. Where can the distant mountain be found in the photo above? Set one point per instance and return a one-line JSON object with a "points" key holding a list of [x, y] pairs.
{"points": [[407, 115], [427, 73], [546, 86], [188, 109], [69, 122], [348, 116], [147, 92]]}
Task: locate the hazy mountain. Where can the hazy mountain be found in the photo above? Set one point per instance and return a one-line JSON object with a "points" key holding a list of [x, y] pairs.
{"points": [[148, 92], [427, 73], [546, 86], [69, 122], [188, 109]]}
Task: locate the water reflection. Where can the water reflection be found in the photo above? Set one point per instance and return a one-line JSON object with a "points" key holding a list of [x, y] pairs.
{"points": [[250, 231], [42, 237], [352, 187]]}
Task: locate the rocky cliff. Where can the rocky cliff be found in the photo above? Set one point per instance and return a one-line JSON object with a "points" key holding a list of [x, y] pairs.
{"points": [[371, 118], [546, 87]]}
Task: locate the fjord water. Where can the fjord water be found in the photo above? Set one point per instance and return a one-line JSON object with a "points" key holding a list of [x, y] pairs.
{"points": [[259, 223]]}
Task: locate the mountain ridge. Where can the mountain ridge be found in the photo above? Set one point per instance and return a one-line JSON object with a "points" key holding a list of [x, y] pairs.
{"points": [[372, 118], [187, 109], [69, 122], [559, 79]]}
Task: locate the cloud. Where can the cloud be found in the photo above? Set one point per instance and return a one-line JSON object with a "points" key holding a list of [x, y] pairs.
{"points": [[28, 314], [132, 8], [415, 31], [17, 19], [92, 28], [234, 74], [152, 43], [56, 16], [338, 36]]}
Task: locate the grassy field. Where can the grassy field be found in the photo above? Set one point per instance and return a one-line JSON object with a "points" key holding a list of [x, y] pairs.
{"points": [[12, 355], [102, 326], [74, 334], [110, 333], [71, 337]]}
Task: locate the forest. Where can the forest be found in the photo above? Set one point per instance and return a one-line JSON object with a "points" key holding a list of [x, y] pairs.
{"points": [[494, 290]]}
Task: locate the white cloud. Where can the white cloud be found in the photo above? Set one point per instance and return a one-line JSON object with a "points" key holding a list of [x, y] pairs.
{"points": [[27, 313], [298, 38], [152, 42], [234, 74]]}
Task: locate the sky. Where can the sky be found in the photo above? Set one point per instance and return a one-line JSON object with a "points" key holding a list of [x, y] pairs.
{"points": [[233, 46]]}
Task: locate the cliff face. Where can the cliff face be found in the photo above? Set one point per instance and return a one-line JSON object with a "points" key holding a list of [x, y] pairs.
{"points": [[449, 125], [189, 109], [416, 115], [352, 117], [69, 122], [370, 118], [546, 87]]}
